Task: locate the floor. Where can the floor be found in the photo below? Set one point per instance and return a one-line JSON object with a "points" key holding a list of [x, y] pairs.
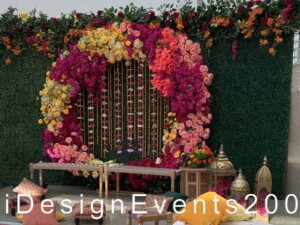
{"points": [[281, 217]]}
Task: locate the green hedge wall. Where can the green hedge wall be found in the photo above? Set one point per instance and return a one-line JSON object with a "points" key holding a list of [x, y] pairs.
{"points": [[250, 106]]}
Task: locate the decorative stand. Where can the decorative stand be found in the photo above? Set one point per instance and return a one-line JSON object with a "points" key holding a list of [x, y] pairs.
{"points": [[222, 174], [263, 187], [194, 182], [240, 189]]}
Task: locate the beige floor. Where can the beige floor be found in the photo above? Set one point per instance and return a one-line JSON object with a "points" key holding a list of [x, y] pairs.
{"points": [[73, 193]]}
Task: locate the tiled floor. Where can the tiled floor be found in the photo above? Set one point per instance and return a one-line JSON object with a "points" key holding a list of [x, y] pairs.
{"points": [[118, 218]]}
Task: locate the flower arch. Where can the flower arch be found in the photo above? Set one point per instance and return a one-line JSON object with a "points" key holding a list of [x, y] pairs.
{"points": [[179, 73]]}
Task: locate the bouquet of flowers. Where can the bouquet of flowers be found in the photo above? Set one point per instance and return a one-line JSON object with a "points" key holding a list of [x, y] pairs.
{"points": [[200, 158]]}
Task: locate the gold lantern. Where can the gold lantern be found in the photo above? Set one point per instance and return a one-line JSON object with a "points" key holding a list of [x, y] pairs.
{"points": [[263, 187], [222, 174], [240, 189]]}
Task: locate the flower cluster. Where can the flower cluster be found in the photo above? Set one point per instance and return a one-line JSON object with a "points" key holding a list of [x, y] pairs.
{"points": [[200, 158], [55, 102], [180, 74]]}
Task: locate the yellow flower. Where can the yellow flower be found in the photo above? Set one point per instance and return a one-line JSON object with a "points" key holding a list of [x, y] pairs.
{"points": [[128, 43], [54, 64], [82, 46], [40, 121], [66, 111], [95, 174], [173, 136], [177, 154], [170, 114], [64, 88], [85, 174], [57, 114], [63, 96], [50, 127], [24, 16]]}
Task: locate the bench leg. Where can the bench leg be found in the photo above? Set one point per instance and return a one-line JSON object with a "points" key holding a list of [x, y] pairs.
{"points": [[31, 171], [117, 183], [41, 178], [101, 182]]}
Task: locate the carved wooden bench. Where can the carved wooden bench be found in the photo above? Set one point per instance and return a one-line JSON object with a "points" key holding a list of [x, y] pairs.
{"points": [[172, 173], [66, 166]]}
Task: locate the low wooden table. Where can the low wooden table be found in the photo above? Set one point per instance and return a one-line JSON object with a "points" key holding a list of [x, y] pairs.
{"points": [[66, 166], [172, 173]]}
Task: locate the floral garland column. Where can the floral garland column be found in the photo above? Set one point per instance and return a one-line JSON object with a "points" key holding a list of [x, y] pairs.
{"points": [[130, 108], [140, 107], [153, 119], [104, 120], [80, 111], [118, 109], [91, 123]]}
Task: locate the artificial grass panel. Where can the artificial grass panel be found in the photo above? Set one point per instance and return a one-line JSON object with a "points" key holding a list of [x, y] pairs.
{"points": [[250, 106], [20, 134]]}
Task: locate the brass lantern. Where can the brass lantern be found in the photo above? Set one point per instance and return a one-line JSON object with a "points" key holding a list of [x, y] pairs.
{"points": [[263, 187], [222, 174], [240, 189]]}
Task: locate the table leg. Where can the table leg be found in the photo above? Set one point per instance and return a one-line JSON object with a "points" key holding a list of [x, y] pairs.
{"points": [[173, 176], [117, 183], [169, 219], [41, 177], [100, 181], [31, 171], [106, 180]]}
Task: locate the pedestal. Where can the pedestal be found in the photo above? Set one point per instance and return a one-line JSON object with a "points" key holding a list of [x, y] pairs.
{"points": [[194, 182]]}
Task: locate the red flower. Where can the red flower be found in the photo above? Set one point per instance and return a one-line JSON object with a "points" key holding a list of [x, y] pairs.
{"points": [[120, 15], [240, 9], [99, 12], [78, 15], [250, 4], [152, 15], [258, 2], [44, 26], [166, 14], [175, 15], [54, 20]]}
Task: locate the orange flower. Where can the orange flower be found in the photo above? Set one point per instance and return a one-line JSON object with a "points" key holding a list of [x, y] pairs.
{"points": [[177, 154], [263, 42], [277, 31], [179, 24], [153, 26], [66, 40], [16, 51], [209, 43], [278, 39], [206, 34], [8, 61], [8, 47], [272, 51], [270, 22], [264, 33]]}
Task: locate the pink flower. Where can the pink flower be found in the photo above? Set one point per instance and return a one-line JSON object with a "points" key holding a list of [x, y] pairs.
{"points": [[84, 148], [74, 133], [181, 126], [68, 140], [194, 141], [67, 158], [184, 134], [59, 125], [203, 69], [75, 172], [188, 123]]}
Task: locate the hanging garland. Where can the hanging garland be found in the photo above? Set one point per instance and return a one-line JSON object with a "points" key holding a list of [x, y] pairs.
{"points": [[178, 73]]}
